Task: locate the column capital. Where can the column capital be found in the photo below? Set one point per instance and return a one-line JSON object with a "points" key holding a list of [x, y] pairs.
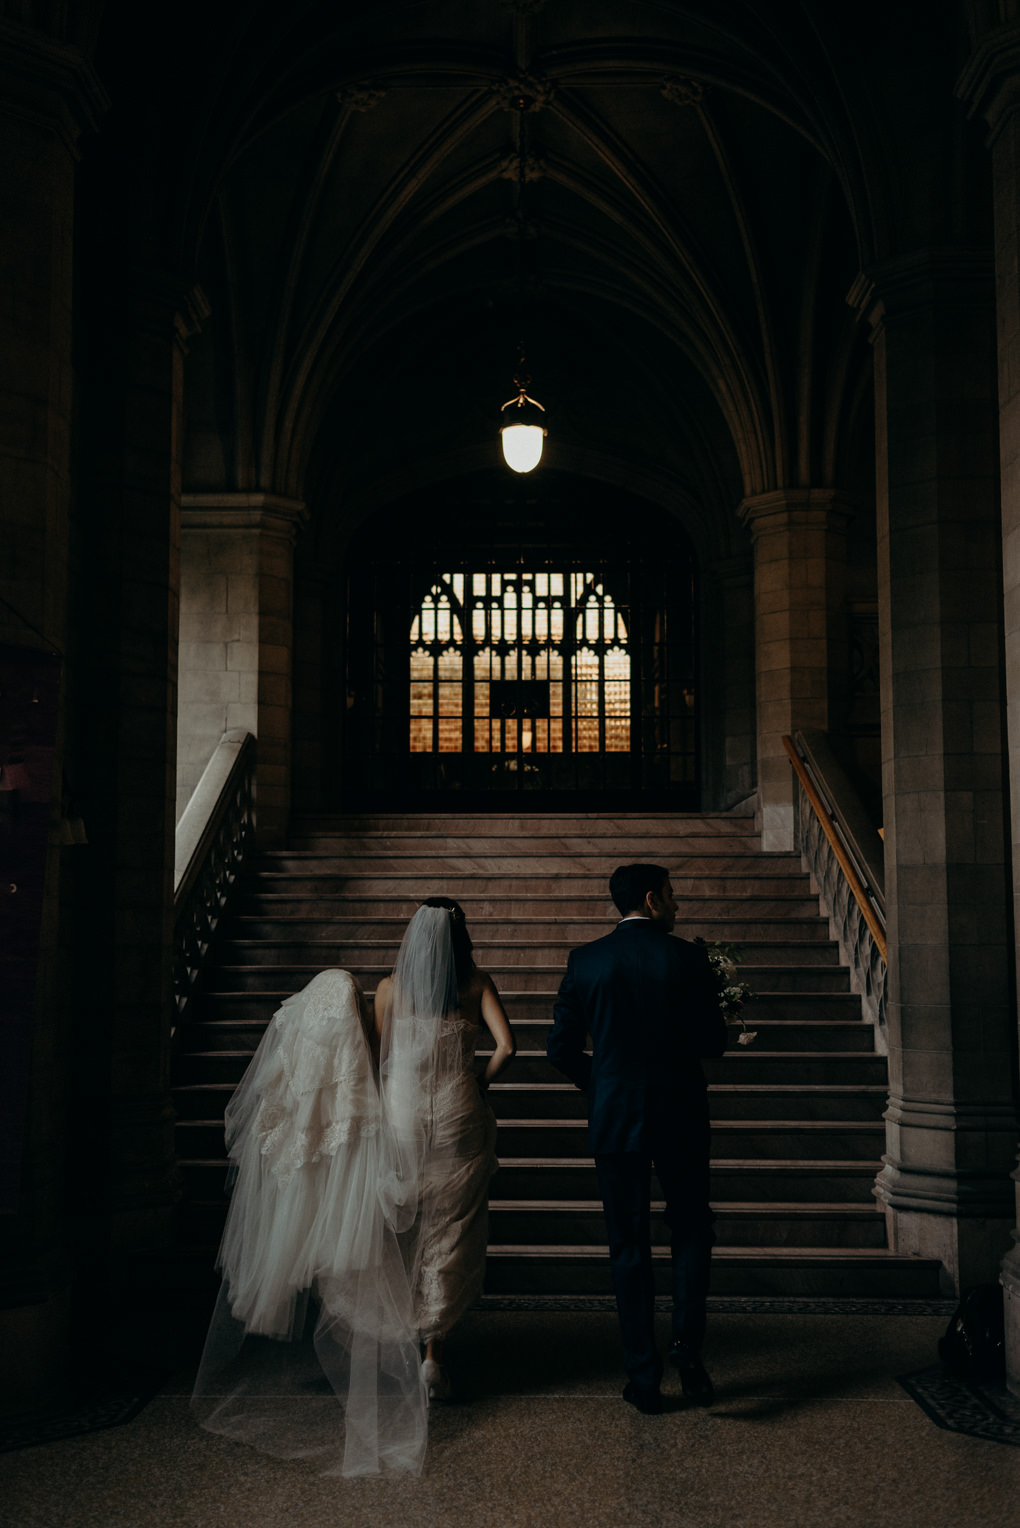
{"points": [[922, 279], [784, 509], [269, 513], [990, 83], [49, 83], [161, 302]]}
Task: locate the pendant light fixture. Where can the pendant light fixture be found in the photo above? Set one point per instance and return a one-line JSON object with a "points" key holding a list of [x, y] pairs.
{"points": [[522, 427]]}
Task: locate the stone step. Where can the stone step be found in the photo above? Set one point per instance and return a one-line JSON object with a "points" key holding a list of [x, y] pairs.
{"points": [[564, 1223], [561, 1178], [504, 889], [543, 1099], [228, 1065], [532, 1222], [595, 863], [260, 1001], [657, 848], [491, 955], [853, 1070], [510, 979], [593, 915], [766, 1141], [843, 1272], [797, 1133], [315, 928], [186, 1278], [605, 824]]}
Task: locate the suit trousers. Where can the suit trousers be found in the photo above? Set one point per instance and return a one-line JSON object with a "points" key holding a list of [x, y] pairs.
{"points": [[681, 1162]]}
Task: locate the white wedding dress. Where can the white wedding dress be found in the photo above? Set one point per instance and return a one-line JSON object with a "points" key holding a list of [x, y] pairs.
{"points": [[445, 1241], [358, 1221]]}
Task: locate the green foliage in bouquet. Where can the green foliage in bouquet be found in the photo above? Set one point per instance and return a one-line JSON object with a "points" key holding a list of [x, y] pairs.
{"points": [[733, 995]]}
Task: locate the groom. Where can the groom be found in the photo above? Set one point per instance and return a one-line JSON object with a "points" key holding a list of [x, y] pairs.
{"points": [[649, 1003]]}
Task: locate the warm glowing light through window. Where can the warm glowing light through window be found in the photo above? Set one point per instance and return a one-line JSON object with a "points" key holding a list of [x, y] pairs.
{"points": [[545, 666]]}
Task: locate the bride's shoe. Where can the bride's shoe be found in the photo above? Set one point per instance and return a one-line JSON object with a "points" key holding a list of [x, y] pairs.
{"points": [[436, 1381]]}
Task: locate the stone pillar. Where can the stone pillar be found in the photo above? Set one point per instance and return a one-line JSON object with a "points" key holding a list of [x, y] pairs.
{"points": [[48, 96], [728, 702], [128, 589], [991, 86], [951, 1121], [800, 634], [237, 640]]}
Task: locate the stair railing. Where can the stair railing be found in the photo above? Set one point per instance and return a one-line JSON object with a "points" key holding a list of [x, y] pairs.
{"points": [[215, 834], [843, 854]]}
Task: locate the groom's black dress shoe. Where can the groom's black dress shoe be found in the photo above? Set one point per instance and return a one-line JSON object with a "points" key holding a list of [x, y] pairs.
{"points": [[694, 1381], [648, 1401]]}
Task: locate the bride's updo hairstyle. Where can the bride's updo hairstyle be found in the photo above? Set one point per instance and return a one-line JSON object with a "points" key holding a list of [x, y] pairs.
{"points": [[463, 958]]}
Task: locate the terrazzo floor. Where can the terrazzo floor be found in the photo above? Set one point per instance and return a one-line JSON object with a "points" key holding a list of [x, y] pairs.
{"points": [[810, 1430]]}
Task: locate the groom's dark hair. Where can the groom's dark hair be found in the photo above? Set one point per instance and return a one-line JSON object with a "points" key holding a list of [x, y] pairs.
{"points": [[630, 884]]}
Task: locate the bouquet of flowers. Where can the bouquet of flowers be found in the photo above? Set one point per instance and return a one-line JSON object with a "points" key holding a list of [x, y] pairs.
{"points": [[724, 959]]}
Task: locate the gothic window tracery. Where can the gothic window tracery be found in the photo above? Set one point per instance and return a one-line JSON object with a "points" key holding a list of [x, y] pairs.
{"points": [[534, 662]]}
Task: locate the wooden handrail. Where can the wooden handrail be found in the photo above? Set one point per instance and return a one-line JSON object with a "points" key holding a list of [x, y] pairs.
{"points": [[853, 880]]}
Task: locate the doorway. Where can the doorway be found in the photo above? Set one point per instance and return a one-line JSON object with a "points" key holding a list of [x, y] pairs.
{"points": [[544, 657]]}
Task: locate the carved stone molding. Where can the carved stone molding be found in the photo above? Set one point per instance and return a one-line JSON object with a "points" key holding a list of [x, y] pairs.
{"points": [[990, 84], [961, 1192], [535, 166], [683, 92], [49, 83], [781, 508], [926, 278], [269, 513], [523, 92], [514, 227], [190, 314], [361, 97]]}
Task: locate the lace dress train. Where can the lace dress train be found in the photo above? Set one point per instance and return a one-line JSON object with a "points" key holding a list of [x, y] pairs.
{"points": [[316, 1305]]}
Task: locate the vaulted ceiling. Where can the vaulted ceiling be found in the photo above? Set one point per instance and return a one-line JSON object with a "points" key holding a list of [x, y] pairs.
{"points": [[701, 184]]}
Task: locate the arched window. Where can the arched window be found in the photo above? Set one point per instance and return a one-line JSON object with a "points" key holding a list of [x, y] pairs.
{"points": [[519, 662]]}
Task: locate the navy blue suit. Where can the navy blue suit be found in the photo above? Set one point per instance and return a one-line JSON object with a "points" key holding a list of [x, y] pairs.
{"points": [[649, 1003]]}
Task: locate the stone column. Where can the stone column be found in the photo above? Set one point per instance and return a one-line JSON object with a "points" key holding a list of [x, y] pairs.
{"points": [[237, 640], [128, 594], [951, 1121], [991, 86], [800, 633], [728, 687], [49, 94]]}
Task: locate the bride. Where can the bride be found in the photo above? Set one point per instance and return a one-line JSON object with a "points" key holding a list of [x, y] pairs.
{"points": [[357, 1226], [442, 1134]]}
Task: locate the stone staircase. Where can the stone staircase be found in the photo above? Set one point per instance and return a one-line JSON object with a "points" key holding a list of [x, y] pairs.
{"points": [[797, 1132]]}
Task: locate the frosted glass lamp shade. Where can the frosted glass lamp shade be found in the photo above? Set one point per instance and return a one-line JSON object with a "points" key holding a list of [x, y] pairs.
{"points": [[523, 432], [522, 446]]}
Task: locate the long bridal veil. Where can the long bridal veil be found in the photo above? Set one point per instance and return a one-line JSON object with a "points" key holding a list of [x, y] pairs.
{"points": [[316, 1306]]}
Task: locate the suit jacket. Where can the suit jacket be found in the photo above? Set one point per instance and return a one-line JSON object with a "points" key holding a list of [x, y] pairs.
{"points": [[649, 1002]]}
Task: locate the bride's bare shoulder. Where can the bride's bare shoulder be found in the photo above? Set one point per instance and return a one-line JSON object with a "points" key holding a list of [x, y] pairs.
{"points": [[471, 995]]}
